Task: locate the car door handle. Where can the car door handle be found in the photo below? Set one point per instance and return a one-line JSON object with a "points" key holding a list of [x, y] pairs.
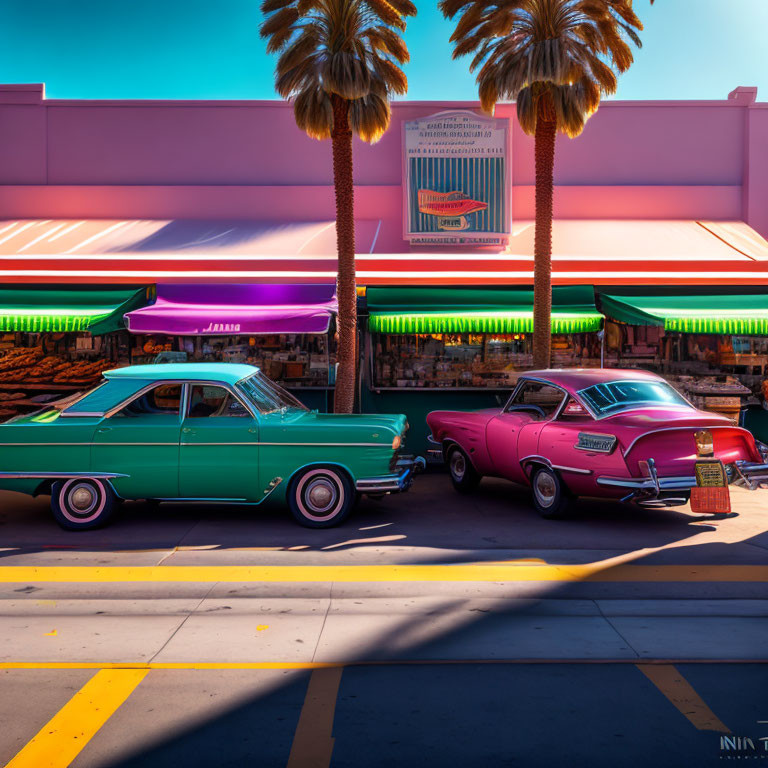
{"points": [[102, 430], [253, 430], [188, 431]]}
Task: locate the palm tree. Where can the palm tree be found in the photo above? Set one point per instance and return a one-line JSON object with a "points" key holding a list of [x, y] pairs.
{"points": [[556, 58], [340, 62]]}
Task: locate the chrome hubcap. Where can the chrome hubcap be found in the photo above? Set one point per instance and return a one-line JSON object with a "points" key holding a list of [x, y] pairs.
{"points": [[321, 495], [82, 499], [545, 489], [458, 465]]}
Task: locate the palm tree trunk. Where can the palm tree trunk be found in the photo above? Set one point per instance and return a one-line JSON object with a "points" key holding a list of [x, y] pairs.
{"points": [[341, 139], [542, 249]]}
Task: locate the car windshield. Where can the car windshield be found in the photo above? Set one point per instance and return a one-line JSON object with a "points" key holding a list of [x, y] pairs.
{"points": [[617, 396], [268, 396]]}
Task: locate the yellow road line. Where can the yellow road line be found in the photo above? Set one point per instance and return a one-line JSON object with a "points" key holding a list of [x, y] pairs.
{"points": [[311, 665], [492, 572], [682, 695], [60, 741], [313, 741]]}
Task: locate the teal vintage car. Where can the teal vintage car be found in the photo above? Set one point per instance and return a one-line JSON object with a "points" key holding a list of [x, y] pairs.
{"points": [[200, 432]]}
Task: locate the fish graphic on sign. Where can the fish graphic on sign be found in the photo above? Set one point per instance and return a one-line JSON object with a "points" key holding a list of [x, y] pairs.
{"points": [[451, 208]]}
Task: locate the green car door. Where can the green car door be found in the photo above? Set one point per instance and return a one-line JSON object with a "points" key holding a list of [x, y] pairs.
{"points": [[219, 452], [142, 441]]}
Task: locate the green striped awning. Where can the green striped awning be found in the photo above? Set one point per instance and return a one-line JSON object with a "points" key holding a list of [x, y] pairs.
{"points": [[43, 310], [462, 310], [736, 314]]}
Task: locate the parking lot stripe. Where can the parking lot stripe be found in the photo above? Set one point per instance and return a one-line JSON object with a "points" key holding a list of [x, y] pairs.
{"points": [[667, 678], [493, 572], [245, 665], [313, 741], [60, 740]]}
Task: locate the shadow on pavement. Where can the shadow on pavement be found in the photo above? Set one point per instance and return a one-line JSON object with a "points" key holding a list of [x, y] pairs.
{"points": [[431, 521]]}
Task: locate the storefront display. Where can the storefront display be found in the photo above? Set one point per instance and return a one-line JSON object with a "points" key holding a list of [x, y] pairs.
{"points": [[469, 343], [286, 330], [472, 338], [472, 360], [295, 360], [54, 342], [712, 348]]}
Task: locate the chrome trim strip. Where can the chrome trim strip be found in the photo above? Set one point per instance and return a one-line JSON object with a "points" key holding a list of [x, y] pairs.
{"points": [[388, 446], [548, 463], [110, 444], [648, 483], [95, 443], [536, 457], [58, 475], [84, 414], [678, 429], [185, 444], [35, 445], [572, 469], [202, 499]]}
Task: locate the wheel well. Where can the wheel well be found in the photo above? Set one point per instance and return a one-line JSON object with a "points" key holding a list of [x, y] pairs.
{"points": [[531, 465], [45, 488], [449, 443], [322, 465]]}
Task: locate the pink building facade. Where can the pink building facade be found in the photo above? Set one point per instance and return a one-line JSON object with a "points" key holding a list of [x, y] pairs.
{"points": [[121, 161]]}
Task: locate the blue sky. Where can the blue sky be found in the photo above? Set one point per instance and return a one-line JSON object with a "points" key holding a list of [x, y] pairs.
{"points": [[694, 49]]}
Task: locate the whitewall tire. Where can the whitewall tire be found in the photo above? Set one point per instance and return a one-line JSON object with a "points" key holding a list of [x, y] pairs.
{"points": [[551, 496], [321, 497], [81, 503], [464, 476]]}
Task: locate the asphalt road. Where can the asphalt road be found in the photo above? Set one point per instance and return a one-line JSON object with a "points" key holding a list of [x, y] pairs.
{"points": [[430, 627]]}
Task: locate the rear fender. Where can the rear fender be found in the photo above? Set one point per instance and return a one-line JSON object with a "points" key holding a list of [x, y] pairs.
{"points": [[674, 448]]}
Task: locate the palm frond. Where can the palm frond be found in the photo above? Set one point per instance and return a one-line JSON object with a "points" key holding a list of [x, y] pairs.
{"points": [[369, 117], [565, 51], [348, 49], [313, 112]]}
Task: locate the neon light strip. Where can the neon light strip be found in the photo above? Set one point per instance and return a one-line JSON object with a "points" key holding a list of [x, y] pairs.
{"points": [[393, 257], [378, 274], [480, 322]]}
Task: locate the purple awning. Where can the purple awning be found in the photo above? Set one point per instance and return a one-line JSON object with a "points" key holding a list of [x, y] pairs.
{"points": [[218, 310]]}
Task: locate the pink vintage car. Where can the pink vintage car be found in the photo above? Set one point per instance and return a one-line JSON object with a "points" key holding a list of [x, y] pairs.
{"points": [[623, 434]]}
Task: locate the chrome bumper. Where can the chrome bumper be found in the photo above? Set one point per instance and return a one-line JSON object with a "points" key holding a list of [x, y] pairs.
{"points": [[748, 474], [435, 451], [742, 473], [400, 480]]}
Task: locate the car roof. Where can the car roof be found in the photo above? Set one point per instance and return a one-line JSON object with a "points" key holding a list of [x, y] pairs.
{"points": [[574, 379], [229, 373]]}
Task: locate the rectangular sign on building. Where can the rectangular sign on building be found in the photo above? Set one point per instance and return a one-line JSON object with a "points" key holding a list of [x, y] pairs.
{"points": [[456, 179]]}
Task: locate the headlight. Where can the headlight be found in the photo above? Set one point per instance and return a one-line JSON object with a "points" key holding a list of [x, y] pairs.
{"points": [[763, 450], [396, 443]]}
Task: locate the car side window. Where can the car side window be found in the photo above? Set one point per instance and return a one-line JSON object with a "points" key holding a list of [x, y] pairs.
{"points": [[537, 398], [162, 399], [207, 400]]}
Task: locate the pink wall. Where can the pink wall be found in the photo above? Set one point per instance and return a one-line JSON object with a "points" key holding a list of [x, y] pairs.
{"points": [[248, 160]]}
